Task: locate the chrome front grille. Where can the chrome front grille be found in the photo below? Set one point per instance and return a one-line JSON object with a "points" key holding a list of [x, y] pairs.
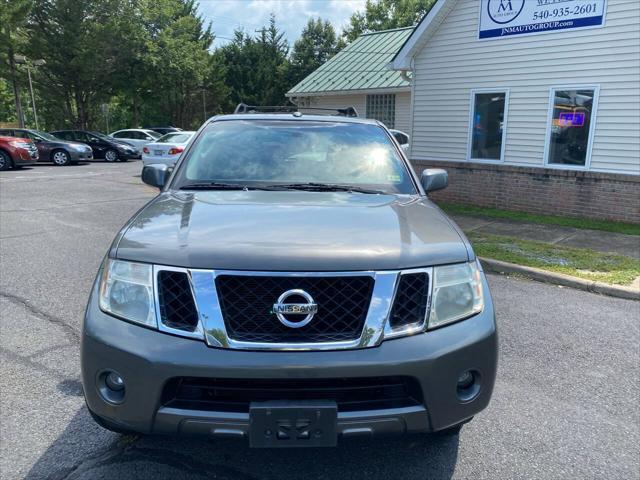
{"points": [[239, 310], [246, 303]]}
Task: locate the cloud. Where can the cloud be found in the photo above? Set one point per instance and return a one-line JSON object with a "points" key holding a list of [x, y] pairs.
{"points": [[291, 15]]}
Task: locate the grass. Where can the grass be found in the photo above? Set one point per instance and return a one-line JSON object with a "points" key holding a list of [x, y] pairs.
{"points": [[577, 262], [585, 223]]}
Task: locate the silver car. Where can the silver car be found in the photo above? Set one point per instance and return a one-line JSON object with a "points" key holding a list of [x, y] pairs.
{"points": [[137, 137], [166, 149]]}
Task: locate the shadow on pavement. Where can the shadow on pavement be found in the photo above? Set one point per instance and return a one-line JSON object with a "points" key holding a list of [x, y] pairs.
{"points": [[86, 451]]}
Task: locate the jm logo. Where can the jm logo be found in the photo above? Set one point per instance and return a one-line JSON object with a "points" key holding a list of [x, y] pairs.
{"points": [[504, 5], [504, 11]]}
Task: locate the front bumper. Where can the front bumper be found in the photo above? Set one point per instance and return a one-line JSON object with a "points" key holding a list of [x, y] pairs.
{"points": [[147, 359], [25, 157], [77, 156]]}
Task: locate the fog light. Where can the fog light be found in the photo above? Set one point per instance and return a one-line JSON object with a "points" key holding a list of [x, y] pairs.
{"points": [[111, 386], [114, 382], [465, 380], [468, 386]]}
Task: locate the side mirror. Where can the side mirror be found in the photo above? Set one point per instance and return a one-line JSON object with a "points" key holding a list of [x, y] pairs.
{"points": [[434, 179], [156, 175]]}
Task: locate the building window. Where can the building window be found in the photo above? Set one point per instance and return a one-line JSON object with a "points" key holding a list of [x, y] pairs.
{"points": [[383, 108], [488, 125], [569, 128]]}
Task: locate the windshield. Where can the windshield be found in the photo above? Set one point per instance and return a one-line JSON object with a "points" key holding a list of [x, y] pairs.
{"points": [[153, 134], [277, 152], [175, 138], [44, 135], [101, 136]]}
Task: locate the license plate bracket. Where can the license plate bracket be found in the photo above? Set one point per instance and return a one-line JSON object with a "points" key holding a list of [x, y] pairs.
{"points": [[280, 423]]}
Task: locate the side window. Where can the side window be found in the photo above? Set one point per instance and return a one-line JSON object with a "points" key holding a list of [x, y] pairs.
{"points": [[569, 132], [64, 135], [6, 133], [383, 108], [123, 134], [487, 125], [401, 138], [21, 134], [79, 136]]}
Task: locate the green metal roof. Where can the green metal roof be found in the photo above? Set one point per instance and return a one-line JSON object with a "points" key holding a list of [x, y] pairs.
{"points": [[361, 65]]}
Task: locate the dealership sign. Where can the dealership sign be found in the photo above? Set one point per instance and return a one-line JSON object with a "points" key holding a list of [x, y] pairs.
{"points": [[501, 18]]}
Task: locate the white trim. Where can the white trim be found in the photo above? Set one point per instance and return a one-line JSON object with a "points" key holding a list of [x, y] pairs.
{"points": [[592, 120], [402, 60], [505, 116], [328, 93]]}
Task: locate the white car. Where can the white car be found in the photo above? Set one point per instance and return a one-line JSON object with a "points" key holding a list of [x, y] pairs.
{"points": [[136, 137], [166, 149], [402, 138]]}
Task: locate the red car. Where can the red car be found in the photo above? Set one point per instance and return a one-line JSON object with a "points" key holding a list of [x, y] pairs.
{"points": [[17, 152]]}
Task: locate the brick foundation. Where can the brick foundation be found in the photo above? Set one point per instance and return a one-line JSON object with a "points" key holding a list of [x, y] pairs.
{"points": [[541, 190]]}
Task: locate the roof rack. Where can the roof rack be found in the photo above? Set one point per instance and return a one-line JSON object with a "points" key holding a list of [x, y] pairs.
{"points": [[244, 108]]}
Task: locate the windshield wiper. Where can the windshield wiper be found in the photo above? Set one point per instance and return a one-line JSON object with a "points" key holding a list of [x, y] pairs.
{"points": [[329, 187], [227, 186]]}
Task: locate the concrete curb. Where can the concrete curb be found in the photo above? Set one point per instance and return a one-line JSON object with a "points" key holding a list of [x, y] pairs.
{"points": [[497, 266]]}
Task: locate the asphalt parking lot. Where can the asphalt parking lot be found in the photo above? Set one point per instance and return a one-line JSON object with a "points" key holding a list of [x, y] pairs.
{"points": [[565, 404]]}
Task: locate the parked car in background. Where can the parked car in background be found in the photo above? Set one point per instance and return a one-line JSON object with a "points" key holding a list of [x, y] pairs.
{"points": [[402, 138], [17, 152], [103, 147], [52, 149], [165, 130], [166, 149], [138, 137]]}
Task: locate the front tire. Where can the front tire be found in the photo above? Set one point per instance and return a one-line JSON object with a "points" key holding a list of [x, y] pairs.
{"points": [[111, 156], [5, 161], [60, 158]]}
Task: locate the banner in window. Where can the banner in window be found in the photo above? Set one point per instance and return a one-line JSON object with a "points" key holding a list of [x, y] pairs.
{"points": [[502, 18]]}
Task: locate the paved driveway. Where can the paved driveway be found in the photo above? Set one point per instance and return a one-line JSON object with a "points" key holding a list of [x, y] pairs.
{"points": [[565, 403]]}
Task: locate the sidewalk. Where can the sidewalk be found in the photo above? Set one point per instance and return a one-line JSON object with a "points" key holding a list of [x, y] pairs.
{"points": [[593, 260], [599, 241]]}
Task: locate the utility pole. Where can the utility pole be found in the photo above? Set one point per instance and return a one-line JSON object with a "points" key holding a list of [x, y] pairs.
{"points": [[21, 59]]}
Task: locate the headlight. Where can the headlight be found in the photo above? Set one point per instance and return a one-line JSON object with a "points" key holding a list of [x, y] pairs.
{"points": [[457, 293], [19, 144], [126, 291]]}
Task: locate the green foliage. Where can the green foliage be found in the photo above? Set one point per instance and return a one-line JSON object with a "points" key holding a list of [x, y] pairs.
{"points": [[126, 63], [386, 14], [316, 45], [577, 262], [256, 67]]}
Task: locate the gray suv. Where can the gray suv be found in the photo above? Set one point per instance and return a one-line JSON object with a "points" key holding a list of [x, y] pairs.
{"points": [[292, 284]]}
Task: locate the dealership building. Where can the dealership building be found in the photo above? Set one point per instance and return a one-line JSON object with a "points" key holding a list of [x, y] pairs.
{"points": [[530, 105]]}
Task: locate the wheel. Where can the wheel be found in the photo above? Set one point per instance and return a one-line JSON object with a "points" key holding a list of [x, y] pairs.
{"points": [[111, 155], [60, 158], [5, 161], [104, 423]]}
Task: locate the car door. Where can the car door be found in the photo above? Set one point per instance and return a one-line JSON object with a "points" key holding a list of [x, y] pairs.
{"points": [[130, 136], [97, 145]]}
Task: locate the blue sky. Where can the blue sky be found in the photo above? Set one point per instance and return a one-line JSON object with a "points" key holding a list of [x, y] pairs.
{"points": [[291, 15]]}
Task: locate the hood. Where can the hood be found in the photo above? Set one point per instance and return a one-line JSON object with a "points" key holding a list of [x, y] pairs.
{"points": [[291, 231]]}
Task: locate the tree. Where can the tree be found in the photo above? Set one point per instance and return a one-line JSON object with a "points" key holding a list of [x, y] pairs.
{"points": [[316, 45], [386, 14], [13, 16], [257, 68]]}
